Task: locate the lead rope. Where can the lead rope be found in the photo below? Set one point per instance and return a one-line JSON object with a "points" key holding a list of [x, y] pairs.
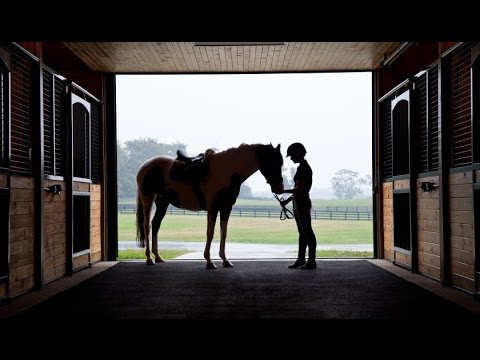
{"points": [[284, 213]]}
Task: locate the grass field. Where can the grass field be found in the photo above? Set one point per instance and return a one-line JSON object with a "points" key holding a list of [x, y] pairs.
{"points": [[252, 230]]}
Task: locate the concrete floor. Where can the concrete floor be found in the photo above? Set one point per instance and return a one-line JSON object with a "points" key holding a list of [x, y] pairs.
{"points": [[241, 251], [27, 300]]}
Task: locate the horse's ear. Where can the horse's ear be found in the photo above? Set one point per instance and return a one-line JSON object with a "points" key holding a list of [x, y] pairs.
{"points": [[278, 147]]}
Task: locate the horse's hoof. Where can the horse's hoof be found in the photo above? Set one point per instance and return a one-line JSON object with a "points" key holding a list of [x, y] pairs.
{"points": [[227, 263], [159, 259], [211, 266], [150, 262]]}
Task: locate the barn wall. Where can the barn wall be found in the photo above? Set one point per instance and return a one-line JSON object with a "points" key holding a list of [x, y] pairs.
{"points": [[95, 223], [21, 234], [54, 255], [461, 240], [428, 229], [3, 282], [20, 180], [453, 129], [388, 220]]}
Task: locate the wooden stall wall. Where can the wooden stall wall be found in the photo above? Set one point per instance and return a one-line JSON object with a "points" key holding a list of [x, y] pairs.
{"points": [[21, 235], [388, 220], [428, 229], [54, 255], [3, 290], [3, 284], [461, 240], [95, 223]]}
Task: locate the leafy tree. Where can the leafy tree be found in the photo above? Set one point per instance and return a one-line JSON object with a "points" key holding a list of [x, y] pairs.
{"points": [[366, 180], [132, 154], [126, 183], [346, 184], [245, 191]]}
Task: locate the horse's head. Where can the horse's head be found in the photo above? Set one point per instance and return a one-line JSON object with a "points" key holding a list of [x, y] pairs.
{"points": [[270, 161]]}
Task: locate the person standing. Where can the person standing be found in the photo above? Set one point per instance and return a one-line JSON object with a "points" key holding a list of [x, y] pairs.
{"points": [[301, 207]]}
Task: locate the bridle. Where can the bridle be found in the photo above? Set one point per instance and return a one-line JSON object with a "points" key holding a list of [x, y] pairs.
{"points": [[284, 213]]}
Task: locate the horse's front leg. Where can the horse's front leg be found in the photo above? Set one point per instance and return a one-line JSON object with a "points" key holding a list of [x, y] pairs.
{"points": [[224, 216], [212, 218]]}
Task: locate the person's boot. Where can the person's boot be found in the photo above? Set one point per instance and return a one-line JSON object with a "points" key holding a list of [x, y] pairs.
{"points": [[297, 264], [310, 264]]}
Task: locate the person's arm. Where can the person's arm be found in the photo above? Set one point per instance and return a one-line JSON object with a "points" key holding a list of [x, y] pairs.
{"points": [[299, 187]]}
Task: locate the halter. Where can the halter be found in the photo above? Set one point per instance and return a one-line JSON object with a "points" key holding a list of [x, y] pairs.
{"points": [[284, 213]]}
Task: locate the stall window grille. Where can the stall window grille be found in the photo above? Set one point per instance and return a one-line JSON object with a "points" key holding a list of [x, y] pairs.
{"points": [[386, 136], [60, 119], [422, 124], [432, 104], [96, 143], [3, 115], [48, 123], [476, 102], [460, 106], [54, 123], [401, 220], [426, 120], [21, 86]]}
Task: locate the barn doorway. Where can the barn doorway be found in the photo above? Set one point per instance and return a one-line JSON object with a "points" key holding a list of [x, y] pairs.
{"points": [[330, 113]]}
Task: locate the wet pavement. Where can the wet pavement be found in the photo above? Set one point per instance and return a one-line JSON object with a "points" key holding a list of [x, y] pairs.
{"points": [[241, 251]]}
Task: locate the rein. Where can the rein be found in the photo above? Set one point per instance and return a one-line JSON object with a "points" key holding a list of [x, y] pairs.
{"points": [[284, 213]]}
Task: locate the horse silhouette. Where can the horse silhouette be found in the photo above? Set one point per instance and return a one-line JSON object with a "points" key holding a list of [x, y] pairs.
{"points": [[210, 181]]}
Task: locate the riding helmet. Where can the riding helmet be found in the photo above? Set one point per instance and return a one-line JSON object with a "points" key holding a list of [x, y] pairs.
{"points": [[296, 148]]}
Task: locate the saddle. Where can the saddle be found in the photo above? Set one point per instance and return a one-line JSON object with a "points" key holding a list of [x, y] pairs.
{"points": [[191, 170], [182, 156]]}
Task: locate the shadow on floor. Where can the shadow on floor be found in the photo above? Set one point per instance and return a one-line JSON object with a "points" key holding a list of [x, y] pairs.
{"points": [[250, 290]]}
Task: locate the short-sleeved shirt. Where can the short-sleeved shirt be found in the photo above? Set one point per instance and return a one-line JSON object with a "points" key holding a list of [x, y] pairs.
{"points": [[304, 172]]}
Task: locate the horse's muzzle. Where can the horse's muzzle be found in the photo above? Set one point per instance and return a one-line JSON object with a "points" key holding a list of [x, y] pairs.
{"points": [[277, 188]]}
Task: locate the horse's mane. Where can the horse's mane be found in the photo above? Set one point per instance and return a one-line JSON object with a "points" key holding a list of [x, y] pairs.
{"points": [[232, 150]]}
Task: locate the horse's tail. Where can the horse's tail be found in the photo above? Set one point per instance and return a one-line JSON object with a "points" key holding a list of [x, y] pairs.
{"points": [[140, 219]]}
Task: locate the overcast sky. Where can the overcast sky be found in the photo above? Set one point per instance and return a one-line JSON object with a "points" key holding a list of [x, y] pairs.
{"points": [[330, 113]]}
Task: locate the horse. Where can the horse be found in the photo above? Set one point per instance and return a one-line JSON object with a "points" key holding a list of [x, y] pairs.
{"points": [[210, 181]]}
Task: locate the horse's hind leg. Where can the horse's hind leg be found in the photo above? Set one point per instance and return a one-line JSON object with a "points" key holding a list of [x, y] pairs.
{"points": [[224, 216], [212, 219], [147, 209], [160, 212]]}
